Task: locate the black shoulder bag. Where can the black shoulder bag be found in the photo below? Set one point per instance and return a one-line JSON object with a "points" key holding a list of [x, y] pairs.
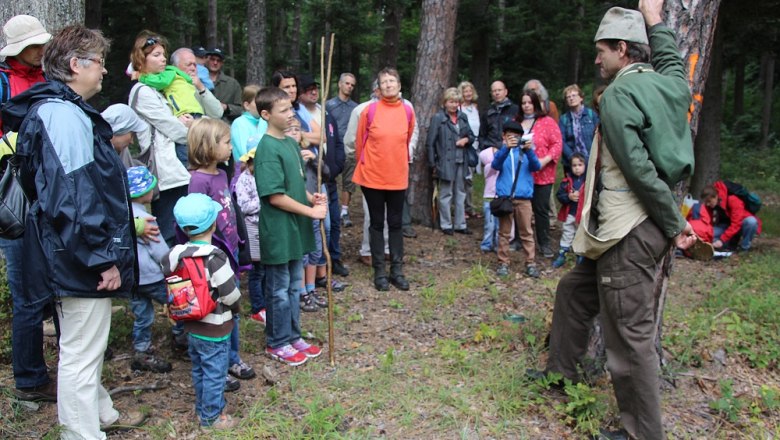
{"points": [[502, 206], [14, 203]]}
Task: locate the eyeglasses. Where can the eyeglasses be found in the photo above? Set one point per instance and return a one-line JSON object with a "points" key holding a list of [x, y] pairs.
{"points": [[101, 61], [151, 41]]}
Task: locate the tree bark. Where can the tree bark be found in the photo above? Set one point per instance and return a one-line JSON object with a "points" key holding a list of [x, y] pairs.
{"points": [[432, 73], [53, 14], [229, 33], [768, 65], [295, 39], [255, 51], [388, 56], [739, 86], [211, 24], [694, 26], [707, 146]]}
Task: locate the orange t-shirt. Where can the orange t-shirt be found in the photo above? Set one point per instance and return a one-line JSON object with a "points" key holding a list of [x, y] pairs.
{"points": [[383, 158]]}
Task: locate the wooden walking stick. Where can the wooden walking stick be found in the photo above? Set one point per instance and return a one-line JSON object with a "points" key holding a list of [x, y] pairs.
{"points": [[329, 264]]}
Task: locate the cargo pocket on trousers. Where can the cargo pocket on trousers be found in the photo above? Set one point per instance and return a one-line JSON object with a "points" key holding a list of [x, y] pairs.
{"points": [[625, 297]]}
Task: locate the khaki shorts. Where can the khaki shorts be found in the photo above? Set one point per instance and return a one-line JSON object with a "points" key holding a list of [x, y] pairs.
{"points": [[346, 175]]}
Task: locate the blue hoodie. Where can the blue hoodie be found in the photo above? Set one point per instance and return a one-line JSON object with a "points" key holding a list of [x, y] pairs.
{"points": [[506, 174]]}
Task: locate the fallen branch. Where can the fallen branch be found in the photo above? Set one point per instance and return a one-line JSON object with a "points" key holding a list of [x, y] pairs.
{"points": [[156, 386]]}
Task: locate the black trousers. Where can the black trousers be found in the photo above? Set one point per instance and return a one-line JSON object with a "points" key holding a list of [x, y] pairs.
{"points": [[391, 203]]}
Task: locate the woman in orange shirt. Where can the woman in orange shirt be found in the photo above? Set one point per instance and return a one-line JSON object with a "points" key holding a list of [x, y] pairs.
{"points": [[382, 154]]}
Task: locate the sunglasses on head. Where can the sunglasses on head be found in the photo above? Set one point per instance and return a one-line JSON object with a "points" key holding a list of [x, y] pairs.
{"points": [[151, 41]]}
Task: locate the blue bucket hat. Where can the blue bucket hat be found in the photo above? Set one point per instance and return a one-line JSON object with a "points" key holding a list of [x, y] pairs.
{"points": [[197, 211], [140, 180]]}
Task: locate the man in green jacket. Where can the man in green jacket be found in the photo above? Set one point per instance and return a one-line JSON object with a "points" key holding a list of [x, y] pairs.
{"points": [[226, 89], [629, 218]]}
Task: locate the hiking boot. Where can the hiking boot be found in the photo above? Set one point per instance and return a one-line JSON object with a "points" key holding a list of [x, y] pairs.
{"points": [[241, 371], [42, 393], [231, 384], [308, 304], [561, 259], [532, 271], [339, 268], [547, 252], [311, 351], [127, 420], [319, 300], [258, 317], [447, 231], [147, 361], [345, 221], [409, 232], [399, 281], [464, 231], [381, 284], [503, 270], [222, 423], [286, 354]]}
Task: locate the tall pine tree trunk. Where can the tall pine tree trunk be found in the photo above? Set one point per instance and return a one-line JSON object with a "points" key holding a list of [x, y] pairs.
{"points": [[707, 146], [694, 27], [388, 56], [431, 78], [211, 24], [739, 86], [768, 74], [255, 51], [53, 14]]}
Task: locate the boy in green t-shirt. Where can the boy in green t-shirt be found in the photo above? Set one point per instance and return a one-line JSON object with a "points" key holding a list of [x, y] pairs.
{"points": [[286, 210]]}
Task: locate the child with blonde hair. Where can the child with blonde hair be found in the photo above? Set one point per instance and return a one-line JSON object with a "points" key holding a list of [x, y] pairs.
{"points": [[209, 145]]}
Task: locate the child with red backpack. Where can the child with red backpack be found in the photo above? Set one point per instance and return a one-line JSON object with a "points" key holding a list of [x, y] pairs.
{"points": [[733, 223], [569, 196], [206, 270]]}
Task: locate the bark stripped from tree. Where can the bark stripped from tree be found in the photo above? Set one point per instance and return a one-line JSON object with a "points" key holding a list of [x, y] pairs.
{"points": [[431, 78], [256, 41], [53, 14]]}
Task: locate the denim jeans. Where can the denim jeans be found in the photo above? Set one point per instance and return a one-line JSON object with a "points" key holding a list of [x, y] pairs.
{"points": [[745, 235], [143, 309], [209, 367], [255, 280], [283, 287], [334, 214], [490, 234], [27, 323]]}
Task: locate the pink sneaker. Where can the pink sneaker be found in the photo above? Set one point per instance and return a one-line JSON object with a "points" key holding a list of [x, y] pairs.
{"points": [[311, 351], [287, 354], [259, 316]]}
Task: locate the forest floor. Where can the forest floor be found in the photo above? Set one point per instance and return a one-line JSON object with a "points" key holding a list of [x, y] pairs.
{"points": [[448, 358]]}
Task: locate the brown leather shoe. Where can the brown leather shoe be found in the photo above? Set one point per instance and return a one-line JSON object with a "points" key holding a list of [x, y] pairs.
{"points": [[127, 420], [43, 393], [365, 259]]}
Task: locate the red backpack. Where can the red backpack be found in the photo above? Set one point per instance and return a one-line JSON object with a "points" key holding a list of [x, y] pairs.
{"points": [[190, 297]]}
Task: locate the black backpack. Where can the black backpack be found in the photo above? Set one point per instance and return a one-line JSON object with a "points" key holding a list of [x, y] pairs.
{"points": [[752, 200]]}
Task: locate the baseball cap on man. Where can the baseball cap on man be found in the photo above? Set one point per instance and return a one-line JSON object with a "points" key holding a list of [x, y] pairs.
{"points": [[196, 212], [199, 51], [216, 51], [622, 24], [305, 81], [140, 181], [22, 31]]}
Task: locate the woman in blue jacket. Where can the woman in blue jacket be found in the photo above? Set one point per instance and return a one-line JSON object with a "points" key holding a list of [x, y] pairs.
{"points": [[516, 157]]}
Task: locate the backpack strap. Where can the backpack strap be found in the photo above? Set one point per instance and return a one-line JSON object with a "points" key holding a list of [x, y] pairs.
{"points": [[5, 88]]}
